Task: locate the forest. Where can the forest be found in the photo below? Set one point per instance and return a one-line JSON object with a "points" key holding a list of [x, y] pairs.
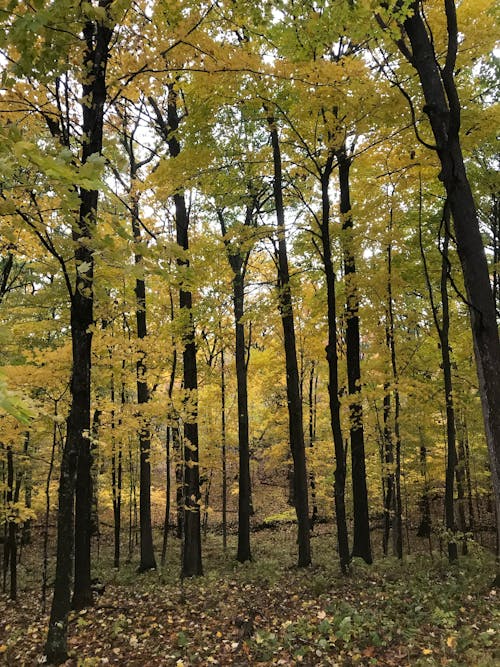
{"points": [[249, 306]]}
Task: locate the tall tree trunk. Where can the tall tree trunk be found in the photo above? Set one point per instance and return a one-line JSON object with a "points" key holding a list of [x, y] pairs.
{"points": [[75, 479], [450, 410], [168, 491], [442, 106], [464, 457], [147, 556], [172, 437], [223, 447], [116, 477], [395, 463], [388, 466], [191, 545], [361, 533], [11, 537], [313, 385], [244, 551], [333, 381], [238, 263], [443, 329], [294, 399]]}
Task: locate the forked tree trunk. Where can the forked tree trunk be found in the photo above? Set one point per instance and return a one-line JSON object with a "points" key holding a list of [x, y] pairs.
{"points": [[442, 106]]}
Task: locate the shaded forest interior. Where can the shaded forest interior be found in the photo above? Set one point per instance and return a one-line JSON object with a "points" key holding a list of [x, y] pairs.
{"points": [[249, 306]]}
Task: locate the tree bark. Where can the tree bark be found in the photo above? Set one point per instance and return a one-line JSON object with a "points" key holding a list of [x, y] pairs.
{"points": [[442, 106], [147, 555], [361, 533], [333, 382], [294, 399], [76, 455], [191, 545], [238, 262]]}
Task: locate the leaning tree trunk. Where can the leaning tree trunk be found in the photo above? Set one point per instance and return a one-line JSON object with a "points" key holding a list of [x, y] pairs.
{"points": [[361, 533], [294, 399], [442, 106]]}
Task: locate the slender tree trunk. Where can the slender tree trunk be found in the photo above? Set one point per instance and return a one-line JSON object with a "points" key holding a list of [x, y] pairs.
{"points": [[166, 518], [294, 400], [171, 436], [94, 475], [443, 328], [450, 410], [442, 106], [11, 537], [223, 448], [238, 263], [333, 382], [244, 551], [313, 385], [388, 465], [116, 478], [464, 456], [391, 344], [147, 556], [191, 546], [361, 534], [424, 527], [191, 551]]}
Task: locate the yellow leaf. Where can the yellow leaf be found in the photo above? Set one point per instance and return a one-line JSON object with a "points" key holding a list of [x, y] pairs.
{"points": [[451, 642], [3, 648], [426, 651]]}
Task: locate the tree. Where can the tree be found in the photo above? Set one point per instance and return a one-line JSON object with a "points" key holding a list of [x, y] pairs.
{"points": [[443, 109], [294, 398]]}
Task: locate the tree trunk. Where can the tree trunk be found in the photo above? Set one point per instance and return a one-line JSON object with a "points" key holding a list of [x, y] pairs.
{"points": [[333, 382], [388, 465], [244, 551], [172, 437], [191, 546], [147, 556], [294, 400], [76, 457], [397, 533], [361, 534], [238, 263], [313, 384], [450, 410], [11, 537], [223, 447]]}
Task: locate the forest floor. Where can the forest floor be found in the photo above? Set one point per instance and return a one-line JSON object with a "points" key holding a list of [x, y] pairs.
{"points": [[417, 612]]}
